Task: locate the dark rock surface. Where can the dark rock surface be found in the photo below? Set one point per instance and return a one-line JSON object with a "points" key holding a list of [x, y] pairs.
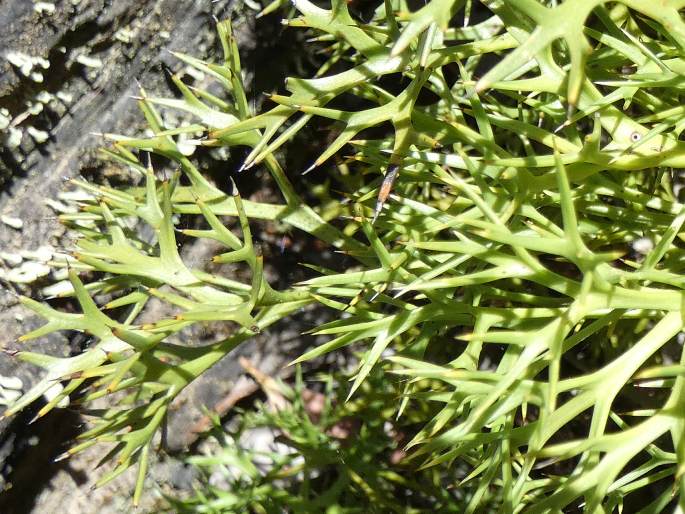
{"points": [[67, 70]]}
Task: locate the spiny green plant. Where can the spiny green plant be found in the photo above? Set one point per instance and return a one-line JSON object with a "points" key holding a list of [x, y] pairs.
{"points": [[341, 457], [498, 281]]}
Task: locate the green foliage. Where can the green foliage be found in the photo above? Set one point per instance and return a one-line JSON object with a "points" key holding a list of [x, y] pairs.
{"points": [[341, 457], [518, 276]]}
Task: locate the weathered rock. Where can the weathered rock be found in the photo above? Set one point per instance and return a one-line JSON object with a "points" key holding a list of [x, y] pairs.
{"points": [[68, 70]]}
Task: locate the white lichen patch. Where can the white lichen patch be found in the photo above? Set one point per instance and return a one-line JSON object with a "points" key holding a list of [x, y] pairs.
{"points": [[186, 145], [28, 272], [10, 389], [65, 259], [5, 118], [11, 221], [62, 288], [11, 259], [44, 7], [39, 136], [11, 382], [59, 206], [89, 62], [27, 266], [75, 196], [44, 97], [65, 97], [41, 254], [14, 137], [124, 35], [34, 108], [60, 274], [28, 65], [21, 61]]}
